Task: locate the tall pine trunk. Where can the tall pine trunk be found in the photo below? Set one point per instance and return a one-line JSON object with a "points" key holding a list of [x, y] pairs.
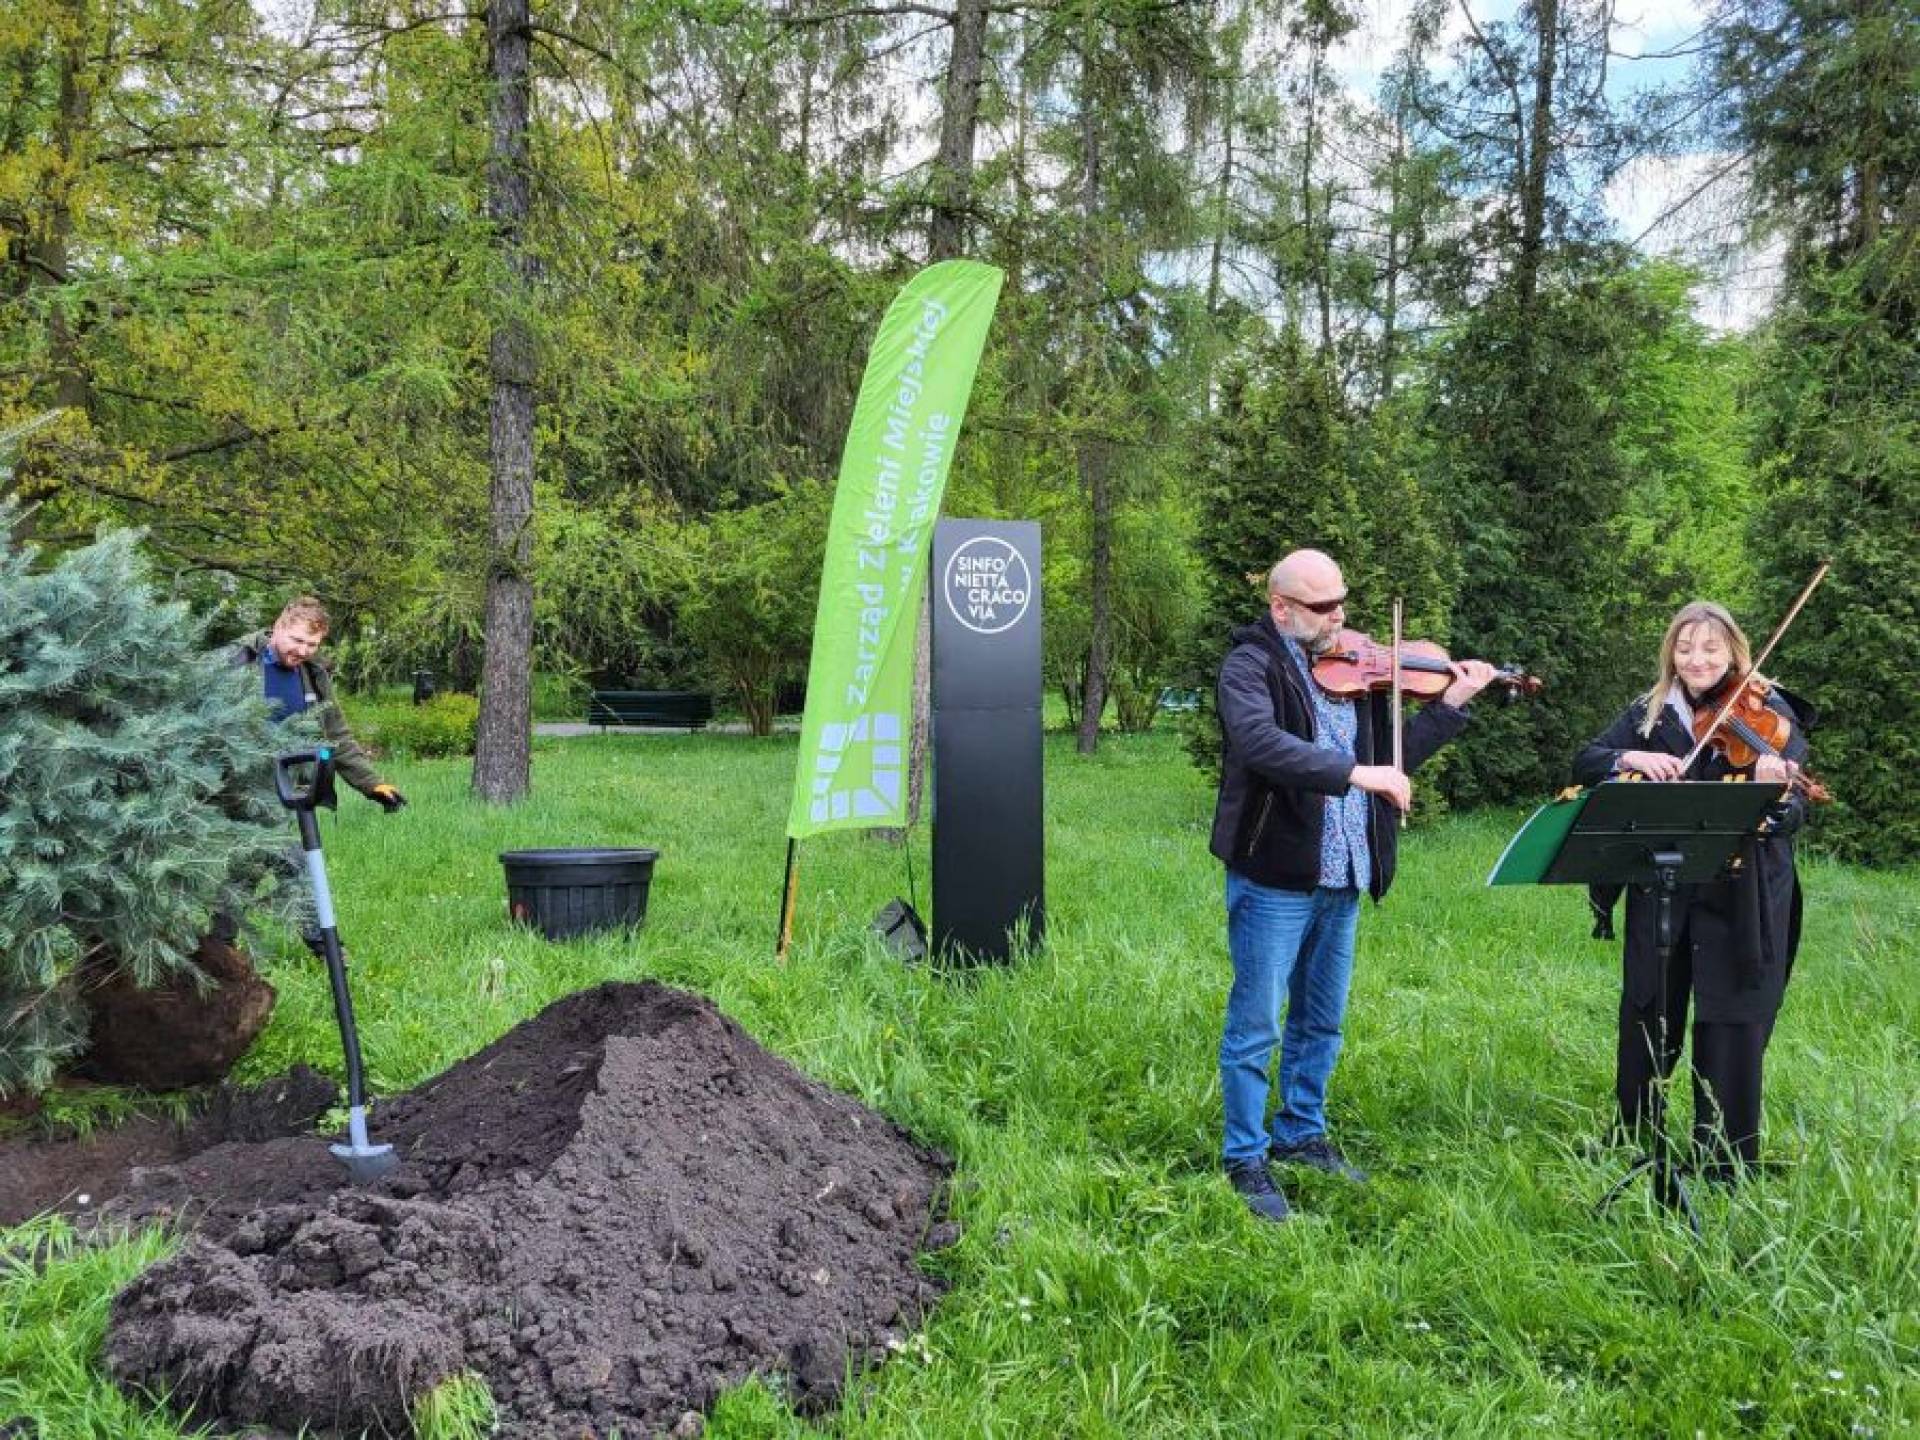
{"points": [[502, 757], [1217, 252], [959, 122], [946, 240], [1539, 156], [47, 252], [1093, 458], [1390, 306], [1096, 476], [1319, 236]]}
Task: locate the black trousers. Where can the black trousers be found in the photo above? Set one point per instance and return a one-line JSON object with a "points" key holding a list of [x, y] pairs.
{"points": [[1727, 1060]]}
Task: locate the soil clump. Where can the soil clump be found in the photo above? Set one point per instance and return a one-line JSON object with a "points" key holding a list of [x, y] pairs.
{"points": [[612, 1213], [185, 1032]]}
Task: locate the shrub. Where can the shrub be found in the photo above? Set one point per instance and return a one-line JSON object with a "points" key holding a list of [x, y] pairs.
{"points": [[749, 606], [1157, 599], [442, 726], [559, 695]]}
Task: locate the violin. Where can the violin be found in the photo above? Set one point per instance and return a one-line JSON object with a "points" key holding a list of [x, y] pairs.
{"points": [[1750, 729], [1358, 665]]}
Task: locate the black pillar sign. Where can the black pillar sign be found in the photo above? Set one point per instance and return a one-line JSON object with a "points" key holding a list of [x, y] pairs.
{"points": [[989, 861]]}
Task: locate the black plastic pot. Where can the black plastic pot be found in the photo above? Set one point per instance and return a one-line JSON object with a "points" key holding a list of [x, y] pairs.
{"points": [[563, 893]]}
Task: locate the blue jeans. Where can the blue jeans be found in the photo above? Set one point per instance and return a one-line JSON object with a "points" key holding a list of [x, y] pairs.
{"points": [[1298, 944]]}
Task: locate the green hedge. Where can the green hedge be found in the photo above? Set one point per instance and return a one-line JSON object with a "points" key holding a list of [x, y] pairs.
{"points": [[443, 726]]}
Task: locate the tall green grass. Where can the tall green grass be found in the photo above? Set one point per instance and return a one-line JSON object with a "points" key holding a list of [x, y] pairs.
{"points": [[1108, 1282]]}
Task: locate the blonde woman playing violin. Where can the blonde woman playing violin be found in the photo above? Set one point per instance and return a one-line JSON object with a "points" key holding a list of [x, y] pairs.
{"points": [[1734, 938]]}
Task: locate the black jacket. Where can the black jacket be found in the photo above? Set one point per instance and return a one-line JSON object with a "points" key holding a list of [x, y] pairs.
{"points": [[1742, 931], [1274, 780]]}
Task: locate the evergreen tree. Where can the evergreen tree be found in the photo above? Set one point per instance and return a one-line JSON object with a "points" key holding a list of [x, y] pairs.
{"points": [[1292, 468], [1531, 466], [1523, 414], [1278, 482], [135, 767], [1826, 98], [1840, 477]]}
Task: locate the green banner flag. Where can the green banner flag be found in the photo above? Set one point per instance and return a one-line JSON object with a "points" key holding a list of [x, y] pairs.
{"points": [[853, 739]]}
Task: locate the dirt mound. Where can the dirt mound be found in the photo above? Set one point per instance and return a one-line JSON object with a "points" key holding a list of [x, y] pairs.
{"points": [[615, 1211]]}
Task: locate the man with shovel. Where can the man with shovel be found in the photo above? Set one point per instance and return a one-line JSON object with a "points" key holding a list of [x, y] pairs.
{"points": [[295, 680]]}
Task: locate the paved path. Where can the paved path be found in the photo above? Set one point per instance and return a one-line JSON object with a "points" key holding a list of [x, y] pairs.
{"points": [[731, 727]]}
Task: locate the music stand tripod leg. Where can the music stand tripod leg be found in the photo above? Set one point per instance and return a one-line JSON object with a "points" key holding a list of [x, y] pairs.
{"points": [[1669, 1188]]}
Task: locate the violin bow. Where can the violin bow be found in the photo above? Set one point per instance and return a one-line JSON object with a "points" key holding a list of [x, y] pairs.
{"points": [[1733, 697], [1398, 758]]}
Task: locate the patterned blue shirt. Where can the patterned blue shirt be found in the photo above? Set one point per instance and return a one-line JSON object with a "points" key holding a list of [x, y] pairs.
{"points": [[1344, 858]]}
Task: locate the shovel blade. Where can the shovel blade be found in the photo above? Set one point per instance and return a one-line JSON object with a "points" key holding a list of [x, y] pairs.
{"points": [[366, 1163]]}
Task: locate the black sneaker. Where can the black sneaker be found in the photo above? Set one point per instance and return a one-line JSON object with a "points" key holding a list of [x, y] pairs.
{"points": [[1256, 1187], [1319, 1153]]}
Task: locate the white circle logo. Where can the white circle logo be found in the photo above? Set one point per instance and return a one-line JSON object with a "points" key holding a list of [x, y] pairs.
{"points": [[987, 585]]}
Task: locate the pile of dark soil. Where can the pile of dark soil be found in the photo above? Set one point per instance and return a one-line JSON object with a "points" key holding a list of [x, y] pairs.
{"points": [[612, 1213]]}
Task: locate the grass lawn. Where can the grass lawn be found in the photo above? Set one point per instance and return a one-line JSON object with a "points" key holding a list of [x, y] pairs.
{"points": [[1109, 1283]]}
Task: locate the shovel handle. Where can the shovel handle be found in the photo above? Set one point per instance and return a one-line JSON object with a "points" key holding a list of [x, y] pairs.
{"points": [[293, 794]]}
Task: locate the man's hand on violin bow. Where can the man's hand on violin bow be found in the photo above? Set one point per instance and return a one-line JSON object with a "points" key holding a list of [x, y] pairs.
{"points": [[1383, 780], [1470, 677]]}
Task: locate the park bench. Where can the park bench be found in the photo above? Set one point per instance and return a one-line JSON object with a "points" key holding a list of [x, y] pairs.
{"points": [[681, 709]]}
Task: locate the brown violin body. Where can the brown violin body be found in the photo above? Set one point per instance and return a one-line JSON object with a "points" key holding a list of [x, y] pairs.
{"points": [[1752, 729], [1358, 665]]}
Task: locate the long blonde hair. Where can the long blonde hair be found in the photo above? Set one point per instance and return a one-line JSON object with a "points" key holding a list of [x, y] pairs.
{"points": [[1696, 612]]}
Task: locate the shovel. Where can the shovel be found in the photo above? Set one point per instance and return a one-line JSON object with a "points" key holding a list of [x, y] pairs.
{"points": [[364, 1160]]}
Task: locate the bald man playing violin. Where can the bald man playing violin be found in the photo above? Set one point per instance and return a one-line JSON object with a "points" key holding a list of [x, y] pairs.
{"points": [[1306, 820]]}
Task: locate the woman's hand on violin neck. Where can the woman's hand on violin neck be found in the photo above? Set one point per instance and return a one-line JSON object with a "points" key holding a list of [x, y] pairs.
{"points": [[1654, 764], [1773, 770], [1470, 677], [1383, 780]]}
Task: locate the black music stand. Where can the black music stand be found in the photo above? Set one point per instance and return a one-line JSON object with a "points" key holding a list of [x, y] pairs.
{"points": [[1658, 836]]}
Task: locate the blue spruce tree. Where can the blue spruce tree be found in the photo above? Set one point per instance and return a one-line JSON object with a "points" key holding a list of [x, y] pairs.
{"points": [[135, 794]]}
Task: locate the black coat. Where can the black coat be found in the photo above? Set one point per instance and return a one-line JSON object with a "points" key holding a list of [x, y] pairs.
{"points": [[1274, 780], [1743, 930]]}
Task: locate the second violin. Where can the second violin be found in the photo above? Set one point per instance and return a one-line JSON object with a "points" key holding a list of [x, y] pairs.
{"points": [[1752, 728], [1357, 664]]}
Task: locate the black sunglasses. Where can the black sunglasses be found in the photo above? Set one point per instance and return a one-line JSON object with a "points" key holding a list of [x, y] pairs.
{"points": [[1318, 607]]}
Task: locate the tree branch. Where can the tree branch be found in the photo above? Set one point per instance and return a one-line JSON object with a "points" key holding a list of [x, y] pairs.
{"points": [[1493, 59], [860, 12]]}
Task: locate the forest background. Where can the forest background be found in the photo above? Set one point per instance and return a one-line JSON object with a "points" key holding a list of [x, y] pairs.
{"points": [[527, 337]]}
